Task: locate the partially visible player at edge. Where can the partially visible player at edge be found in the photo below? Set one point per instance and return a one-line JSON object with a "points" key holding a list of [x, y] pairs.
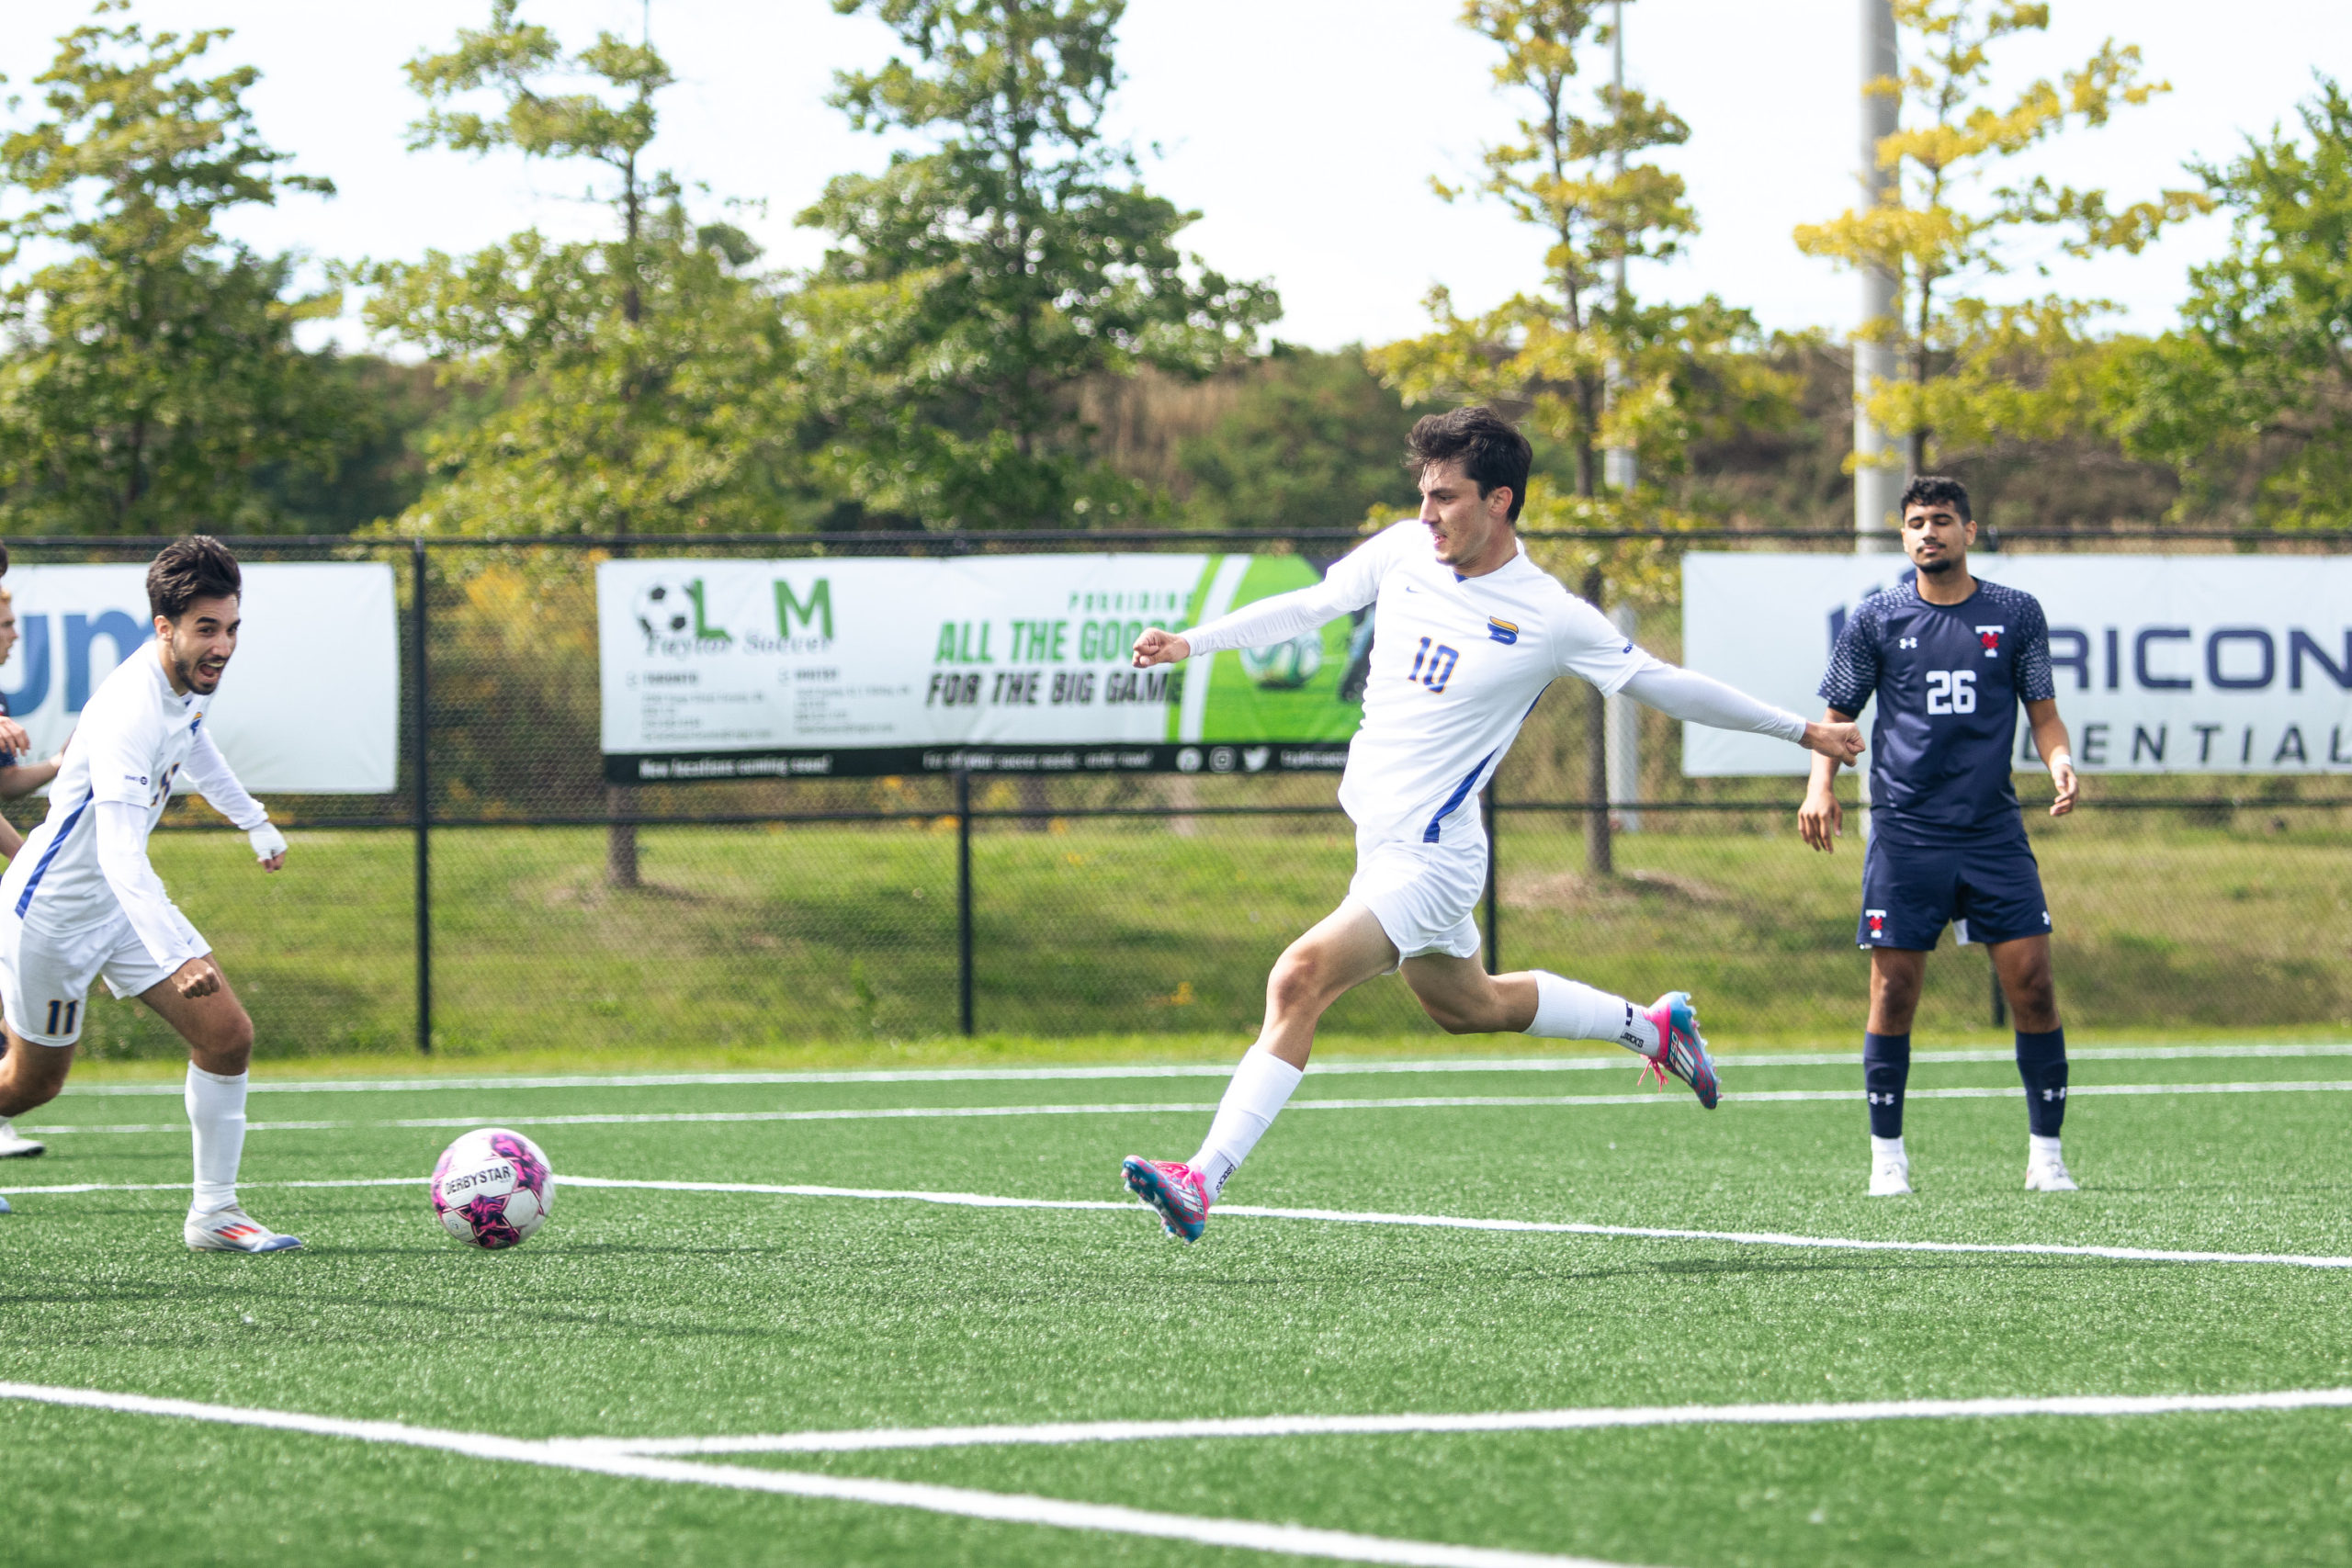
{"points": [[17, 777], [81, 901], [1949, 657], [1467, 633]]}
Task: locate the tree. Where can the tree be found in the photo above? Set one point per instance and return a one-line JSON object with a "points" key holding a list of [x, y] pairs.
{"points": [[977, 285], [2251, 401], [152, 372], [1554, 351], [1311, 441], [643, 372], [1976, 369]]}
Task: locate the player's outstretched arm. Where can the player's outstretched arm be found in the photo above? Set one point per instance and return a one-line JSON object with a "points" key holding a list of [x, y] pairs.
{"points": [[1352, 583], [209, 773], [1821, 821], [2050, 739]]}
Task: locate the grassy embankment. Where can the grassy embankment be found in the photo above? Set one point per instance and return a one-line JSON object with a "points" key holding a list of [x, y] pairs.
{"points": [[821, 946]]}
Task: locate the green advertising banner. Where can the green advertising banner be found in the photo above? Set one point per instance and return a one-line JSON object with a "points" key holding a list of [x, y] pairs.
{"points": [[748, 668]]}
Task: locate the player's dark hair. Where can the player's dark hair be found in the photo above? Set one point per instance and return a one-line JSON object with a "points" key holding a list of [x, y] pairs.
{"points": [[1491, 450], [1934, 490], [192, 566]]}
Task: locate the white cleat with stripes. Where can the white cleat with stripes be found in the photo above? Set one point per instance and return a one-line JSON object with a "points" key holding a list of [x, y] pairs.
{"points": [[233, 1230], [16, 1146]]}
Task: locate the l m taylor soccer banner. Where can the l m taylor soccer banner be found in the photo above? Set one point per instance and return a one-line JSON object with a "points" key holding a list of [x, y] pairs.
{"points": [[311, 700], [1011, 664], [2164, 664]]}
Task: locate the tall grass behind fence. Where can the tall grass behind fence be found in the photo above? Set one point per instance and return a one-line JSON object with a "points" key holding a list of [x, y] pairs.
{"points": [[559, 914]]}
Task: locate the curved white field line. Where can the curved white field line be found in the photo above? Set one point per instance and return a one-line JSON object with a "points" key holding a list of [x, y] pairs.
{"points": [[1338, 1546], [1159, 1107], [1056, 1433], [1323, 1067], [1321, 1216]]}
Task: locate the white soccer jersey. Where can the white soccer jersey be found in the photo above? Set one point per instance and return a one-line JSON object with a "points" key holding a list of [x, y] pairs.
{"points": [[1457, 664], [133, 738]]}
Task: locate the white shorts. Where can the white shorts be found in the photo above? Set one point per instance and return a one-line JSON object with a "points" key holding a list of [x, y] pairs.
{"points": [[1424, 896], [45, 975]]}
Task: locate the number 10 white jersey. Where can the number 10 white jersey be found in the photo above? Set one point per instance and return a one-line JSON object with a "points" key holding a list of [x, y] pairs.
{"points": [[1457, 664]]}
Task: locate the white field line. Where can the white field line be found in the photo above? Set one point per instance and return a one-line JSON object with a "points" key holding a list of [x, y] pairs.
{"points": [[999, 1507], [1609, 1063], [1323, 1216], [1064, 1432], [1159, 1107]]}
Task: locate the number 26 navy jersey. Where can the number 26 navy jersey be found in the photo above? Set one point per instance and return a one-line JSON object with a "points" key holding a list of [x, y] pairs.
{"points": [[1949, 679]]}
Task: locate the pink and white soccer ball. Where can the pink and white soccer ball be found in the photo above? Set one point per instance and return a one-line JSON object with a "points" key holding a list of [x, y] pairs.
{"points": [[492, 1188]]}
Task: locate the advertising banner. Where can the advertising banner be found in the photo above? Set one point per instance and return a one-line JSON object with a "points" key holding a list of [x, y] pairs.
{"points": [[2164, 664], [1013, 664], [311, 702]]}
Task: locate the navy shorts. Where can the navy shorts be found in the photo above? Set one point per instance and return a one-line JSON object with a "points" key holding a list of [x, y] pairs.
{"points": [[1990, 889]]}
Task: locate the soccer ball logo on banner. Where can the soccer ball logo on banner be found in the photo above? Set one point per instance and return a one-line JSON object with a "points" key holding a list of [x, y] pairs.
{"points": [[664, 610], [1285, 666]]}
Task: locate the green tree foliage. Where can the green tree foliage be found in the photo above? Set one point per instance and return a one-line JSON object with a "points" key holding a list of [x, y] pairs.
{"points": [[1311, 441], [642, 374], [977, 284], [1577, 176], [151, 377], [1976, 370], [2251, 401]]}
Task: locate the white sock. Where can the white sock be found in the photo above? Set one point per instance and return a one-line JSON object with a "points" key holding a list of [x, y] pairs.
{"points": [[1260, 1089], [216, 1115], [1570, 1009], [2038, 1148], [1888, 1148]]}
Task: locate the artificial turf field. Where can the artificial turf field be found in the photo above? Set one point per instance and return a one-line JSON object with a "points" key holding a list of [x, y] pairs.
{"points": [[682, 1312]]}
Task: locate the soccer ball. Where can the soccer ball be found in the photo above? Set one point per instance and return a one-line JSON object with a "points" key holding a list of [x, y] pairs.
{"points": [[492, 1188], [1286, 665], [663, 610]]}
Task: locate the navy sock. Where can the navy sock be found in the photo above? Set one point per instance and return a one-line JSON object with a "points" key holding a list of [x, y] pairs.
{"points": [[1886, 1064], [2042, 1062]]}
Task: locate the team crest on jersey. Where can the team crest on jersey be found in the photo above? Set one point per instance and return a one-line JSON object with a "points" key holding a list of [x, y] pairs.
{"points": [[1991, 637], [1501, 631], [1877, 918]]}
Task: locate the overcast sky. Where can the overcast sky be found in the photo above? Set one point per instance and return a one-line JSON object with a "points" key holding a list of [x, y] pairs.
{"points": [[1305, 132]]}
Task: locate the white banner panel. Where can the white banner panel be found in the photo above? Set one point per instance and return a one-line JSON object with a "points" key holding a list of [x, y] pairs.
{"points": [[746, 669], [310, 705], [2164, 664]]}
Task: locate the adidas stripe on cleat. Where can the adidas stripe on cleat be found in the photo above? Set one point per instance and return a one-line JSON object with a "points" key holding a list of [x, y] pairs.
{"points": [[233, 1230], [1172, 1190], [1683, 1050]]}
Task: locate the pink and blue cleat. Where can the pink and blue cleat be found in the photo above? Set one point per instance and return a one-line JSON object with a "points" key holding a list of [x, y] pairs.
{"points": [[1683, 1050], [1175, 1191]]}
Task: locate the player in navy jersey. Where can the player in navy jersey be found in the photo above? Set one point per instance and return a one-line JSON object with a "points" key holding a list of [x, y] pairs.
{"points": [[1949, 656]]}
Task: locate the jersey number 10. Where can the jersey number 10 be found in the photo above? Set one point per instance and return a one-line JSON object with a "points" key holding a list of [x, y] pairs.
{"points": [[1952, 691], [1433, 667]]}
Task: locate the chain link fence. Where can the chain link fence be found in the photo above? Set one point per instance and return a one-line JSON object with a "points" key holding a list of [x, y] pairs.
{"points": [[505, 898]]}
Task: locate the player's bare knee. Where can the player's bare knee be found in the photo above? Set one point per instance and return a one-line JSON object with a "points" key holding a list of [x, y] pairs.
{"points": [[225, 1045], [1298, 983]]}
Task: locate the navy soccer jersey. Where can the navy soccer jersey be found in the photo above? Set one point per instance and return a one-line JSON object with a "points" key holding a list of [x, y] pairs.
{"points": [[1949, 679]]}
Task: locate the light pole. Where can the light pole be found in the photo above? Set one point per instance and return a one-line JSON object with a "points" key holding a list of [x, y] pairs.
{"points": [[1876, 487]]}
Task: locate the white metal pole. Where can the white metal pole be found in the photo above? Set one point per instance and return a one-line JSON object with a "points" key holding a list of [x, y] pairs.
{"points": [[1617, 463], [1876, 487]]}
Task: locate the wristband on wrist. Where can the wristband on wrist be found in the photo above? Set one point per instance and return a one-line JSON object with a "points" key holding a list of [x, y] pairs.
{"points": [[2061, 755]]}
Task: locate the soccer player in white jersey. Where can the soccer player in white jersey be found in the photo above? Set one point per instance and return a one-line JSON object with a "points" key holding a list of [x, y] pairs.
{"points": [[18, 776], [1467, 633], [80, 901]]}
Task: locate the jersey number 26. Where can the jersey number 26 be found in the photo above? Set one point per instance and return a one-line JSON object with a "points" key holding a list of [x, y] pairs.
{"points": [[1952, 691]]}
